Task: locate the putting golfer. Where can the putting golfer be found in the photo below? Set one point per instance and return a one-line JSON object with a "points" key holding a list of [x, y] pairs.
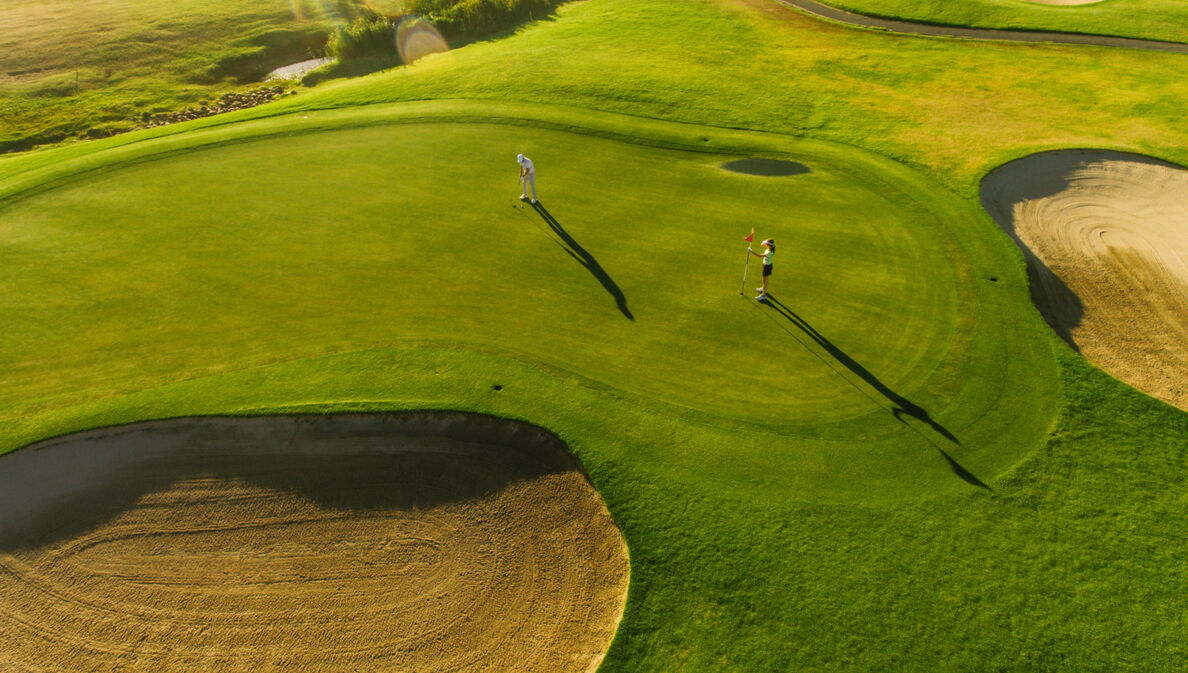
{"points": [[768, 253], [527, 177]]}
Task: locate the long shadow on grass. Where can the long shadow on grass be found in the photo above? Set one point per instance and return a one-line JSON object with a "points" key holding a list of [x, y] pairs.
{"points": [[901, 406], [576, 251]]}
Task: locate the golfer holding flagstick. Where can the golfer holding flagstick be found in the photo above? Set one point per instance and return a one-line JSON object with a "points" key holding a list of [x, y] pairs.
{"points": [[768, 253]]}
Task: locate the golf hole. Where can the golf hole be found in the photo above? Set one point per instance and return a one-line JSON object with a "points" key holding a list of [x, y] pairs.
{"points": [[420, 541], [772, 168]]}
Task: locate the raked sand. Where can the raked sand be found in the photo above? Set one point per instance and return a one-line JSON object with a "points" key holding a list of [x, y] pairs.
{"points": [[415, 542], [1106, 236]]}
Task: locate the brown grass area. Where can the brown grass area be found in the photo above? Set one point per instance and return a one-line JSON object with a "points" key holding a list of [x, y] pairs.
{"points": [[423, 542]]}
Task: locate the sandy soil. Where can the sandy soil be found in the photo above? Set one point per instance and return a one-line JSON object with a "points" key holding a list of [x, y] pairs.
{"points": [[418, 542], [1106, 237]]}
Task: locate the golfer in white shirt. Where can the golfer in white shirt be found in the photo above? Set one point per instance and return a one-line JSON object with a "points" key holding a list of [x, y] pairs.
{"points": [[527, 177]]}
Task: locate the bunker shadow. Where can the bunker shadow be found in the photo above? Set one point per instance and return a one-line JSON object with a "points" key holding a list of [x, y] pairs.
{"points": [[353, 463], [583, 257], [1060, 307], [901, 406]]}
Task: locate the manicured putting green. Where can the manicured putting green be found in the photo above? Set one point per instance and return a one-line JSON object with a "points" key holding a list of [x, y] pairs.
{"points": [[626, 276]]}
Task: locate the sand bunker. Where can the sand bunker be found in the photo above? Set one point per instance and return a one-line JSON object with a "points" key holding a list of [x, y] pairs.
{"points": [[766, 167], [1106, 239], [415, 542]]}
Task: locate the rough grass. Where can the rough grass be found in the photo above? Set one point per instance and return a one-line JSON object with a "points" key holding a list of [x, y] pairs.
{"points": [[69, 66], [1165, 20], [953, 108], [760, 541]]}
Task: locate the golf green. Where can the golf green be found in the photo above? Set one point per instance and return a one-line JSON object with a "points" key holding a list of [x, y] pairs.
{"points": [[275, 249]]}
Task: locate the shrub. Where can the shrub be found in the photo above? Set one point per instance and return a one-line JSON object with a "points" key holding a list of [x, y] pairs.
{"points": [[369, 34], [464, 19]]}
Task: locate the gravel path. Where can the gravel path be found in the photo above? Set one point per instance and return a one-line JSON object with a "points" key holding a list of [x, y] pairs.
{"points": [[912, 28]]}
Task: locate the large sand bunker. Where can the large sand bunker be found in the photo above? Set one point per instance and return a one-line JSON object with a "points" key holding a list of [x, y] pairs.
{"points": [[414, 542], [1106, 239]]}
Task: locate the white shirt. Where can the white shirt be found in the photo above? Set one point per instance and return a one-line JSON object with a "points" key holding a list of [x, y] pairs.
{"points": [[527, 163]]}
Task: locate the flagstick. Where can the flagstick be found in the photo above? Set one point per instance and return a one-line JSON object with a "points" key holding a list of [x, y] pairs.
{"points": [[743, 291]]}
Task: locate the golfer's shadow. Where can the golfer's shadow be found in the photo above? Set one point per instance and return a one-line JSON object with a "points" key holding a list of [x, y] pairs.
{"points": [[901, 406], [576, 251]]}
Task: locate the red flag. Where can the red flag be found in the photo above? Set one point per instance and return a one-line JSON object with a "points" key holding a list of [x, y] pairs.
{"points": [[750, 238]]}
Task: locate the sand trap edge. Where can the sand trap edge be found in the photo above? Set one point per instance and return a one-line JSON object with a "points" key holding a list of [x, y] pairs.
{"points": [[465, 427]]}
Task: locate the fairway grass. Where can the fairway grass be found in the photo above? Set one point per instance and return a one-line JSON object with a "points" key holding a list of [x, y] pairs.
{"points": [[897, 467]]}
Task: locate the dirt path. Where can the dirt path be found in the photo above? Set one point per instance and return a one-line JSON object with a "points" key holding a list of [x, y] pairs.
{"points": [[1106, 237], [912, 28], [421, 542]]}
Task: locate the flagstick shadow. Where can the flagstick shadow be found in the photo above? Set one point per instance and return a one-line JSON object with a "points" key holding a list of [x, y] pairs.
{"points": [[901, 406], [583, 257]]}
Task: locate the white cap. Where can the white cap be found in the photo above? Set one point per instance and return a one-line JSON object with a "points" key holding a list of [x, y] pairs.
{"points": [[519, 157]]}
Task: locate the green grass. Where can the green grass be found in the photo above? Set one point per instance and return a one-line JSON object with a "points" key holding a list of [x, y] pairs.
{"points": [[951, 108], [353, 249], [386, 197], [1165, 20]]}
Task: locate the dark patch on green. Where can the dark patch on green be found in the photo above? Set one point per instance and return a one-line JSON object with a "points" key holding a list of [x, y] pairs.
{"points": [[770, 168]]}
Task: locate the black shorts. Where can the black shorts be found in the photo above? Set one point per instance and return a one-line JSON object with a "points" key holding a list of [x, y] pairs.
{"points": [[767, 270]]}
